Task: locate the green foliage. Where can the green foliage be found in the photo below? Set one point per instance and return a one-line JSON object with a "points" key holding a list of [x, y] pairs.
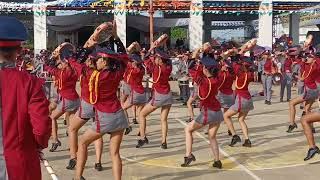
{"points": [[177, 32]]}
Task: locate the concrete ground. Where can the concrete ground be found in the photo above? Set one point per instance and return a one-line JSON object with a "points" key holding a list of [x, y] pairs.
{"points": [[275, 153]]}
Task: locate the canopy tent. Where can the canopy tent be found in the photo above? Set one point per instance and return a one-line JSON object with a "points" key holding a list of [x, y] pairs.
{"points": [[74, 22]]}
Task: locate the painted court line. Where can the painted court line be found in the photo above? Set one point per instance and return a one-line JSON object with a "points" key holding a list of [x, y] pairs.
{"points": [[225, 154]]}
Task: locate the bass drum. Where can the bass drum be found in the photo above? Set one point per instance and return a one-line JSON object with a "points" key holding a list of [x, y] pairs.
{"points": [[276, 78]]}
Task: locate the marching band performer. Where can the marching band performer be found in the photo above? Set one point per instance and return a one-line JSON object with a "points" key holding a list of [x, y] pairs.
{"points": [[308, 76], [243, 103], [225, 93], [136, 71], [194, 90], [269, 69], [298, 63], [25, 125], [69, 98], [109, 116], [86, 110], [159, 65], [286, 80], [206, 76]]}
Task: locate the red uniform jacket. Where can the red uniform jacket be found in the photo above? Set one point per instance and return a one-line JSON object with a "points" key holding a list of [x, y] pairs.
{"points": [[244, 79], [108, 83], [269, 67], [84, 77], [227, 82], [135, 77], [211, 101], [25, 126], [318, 74], [68, 80], [287, 68], [309, 73], [161, 85]]}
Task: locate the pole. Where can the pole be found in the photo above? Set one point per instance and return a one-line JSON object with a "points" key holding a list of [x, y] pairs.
{"points": [[151, 12]]}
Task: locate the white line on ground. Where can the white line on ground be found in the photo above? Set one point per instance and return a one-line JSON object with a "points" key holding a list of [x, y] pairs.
{"points": [[225, 154]]}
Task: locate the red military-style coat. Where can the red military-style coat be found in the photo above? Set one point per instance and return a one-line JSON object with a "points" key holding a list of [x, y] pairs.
{"points": [[161, 84], [25, 125]]}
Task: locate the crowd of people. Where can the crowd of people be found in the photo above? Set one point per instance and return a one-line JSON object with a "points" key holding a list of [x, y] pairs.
{"points": [[218, 77]]}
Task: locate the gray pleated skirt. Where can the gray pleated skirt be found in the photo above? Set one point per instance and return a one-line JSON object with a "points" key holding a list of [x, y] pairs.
{"points": [[66, 105], [207, 116], [310, 94], [109, 122], [136, 98], [242, 105], [125, 88], [86, 110], [226, 101], [194, 91], [159, 100]]}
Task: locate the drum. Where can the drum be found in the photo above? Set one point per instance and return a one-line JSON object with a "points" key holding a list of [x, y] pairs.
{"points": [[101, 34]]}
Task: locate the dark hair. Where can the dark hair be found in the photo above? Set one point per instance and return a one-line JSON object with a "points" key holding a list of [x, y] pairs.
{"points": [[8, 52], [213, 71]]}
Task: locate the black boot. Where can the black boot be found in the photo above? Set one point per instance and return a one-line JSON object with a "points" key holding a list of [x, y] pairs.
{"points": [[247, 143], [55, 146], [142, 142], [138, 133], [265, 102], [128, 130], [292, 127], [311, 153], [98, 166], [72, 164], [229, 133], [65, 122], [164, 146], [235, 140], [217, 164], [188, 160], [134, 120]]}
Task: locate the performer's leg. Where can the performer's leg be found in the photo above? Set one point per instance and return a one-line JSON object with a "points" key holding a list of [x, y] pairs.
{"points": [[142, 118], [269, 88], [292, 109], [227, 119], [164, 122], [242, 116], [289, 85], [306, 122], [74, 127], [56, 114], [98, 144], [283, 85], [213, 129], [189, 129], [86, 139], [115, 142]]}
